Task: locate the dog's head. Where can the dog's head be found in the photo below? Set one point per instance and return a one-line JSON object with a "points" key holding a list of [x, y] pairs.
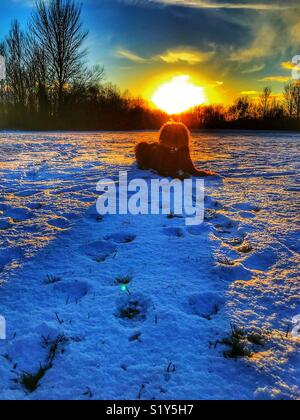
{"points": [[174, 135]]}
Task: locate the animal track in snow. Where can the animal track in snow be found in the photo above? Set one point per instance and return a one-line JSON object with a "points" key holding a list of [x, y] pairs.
{"points": [[228, 231], [205, 305], [132, 309], [262, 260], [18, 214], [59, 223], [210, 203], [35, 206], [232, 271], [245, 248], [247, 215], [233, 241], [198, 230], [120, 238], [174, 232], [99, 250], [72, 291], [224, 224], [247, 207]]}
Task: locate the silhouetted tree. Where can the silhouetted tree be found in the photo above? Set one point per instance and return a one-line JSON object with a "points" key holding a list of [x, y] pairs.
{"points": [[58, 30], [296, 97], [292, 99], [289, 99], [265, 102], [15, 63], [240, 110]]}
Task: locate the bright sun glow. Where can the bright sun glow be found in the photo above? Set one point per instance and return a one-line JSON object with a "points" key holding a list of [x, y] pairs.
{"points": [[178, 95]]}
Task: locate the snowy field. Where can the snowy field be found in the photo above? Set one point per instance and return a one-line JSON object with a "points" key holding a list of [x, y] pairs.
{"points": [[144, 307]]}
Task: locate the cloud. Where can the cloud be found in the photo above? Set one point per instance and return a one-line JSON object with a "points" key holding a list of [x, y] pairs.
{"points": [[294, 28], [250, 92], [189, 56], [261, 46], [288, 65], [254, 69], [173, 56], [206, 4], [130, 56], [279, 79]]}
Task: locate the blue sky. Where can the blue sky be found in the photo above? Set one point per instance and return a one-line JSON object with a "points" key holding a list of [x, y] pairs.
{"points": [[230, 47]]}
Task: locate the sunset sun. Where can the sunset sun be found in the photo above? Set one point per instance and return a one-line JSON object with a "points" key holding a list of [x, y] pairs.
{"points": [[178, 95]]}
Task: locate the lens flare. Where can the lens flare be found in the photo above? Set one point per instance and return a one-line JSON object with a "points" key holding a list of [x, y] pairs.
{"points": [[178, 95]]}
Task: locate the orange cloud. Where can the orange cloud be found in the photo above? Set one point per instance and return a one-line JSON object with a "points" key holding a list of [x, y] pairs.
{"points": [[179, 55], [249, 92], [287, 65], [279, 79], [186, 55]]}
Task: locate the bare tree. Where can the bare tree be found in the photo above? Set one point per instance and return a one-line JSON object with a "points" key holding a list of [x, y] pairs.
{"points": [[296, 98], [240, 110], [289, 99], [37, 68], [265, 102], [15, 63], [58, 30], [292, 99]]}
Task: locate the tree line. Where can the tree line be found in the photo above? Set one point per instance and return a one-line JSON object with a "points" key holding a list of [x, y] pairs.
{"points": [[48, 86], [266, 112]]}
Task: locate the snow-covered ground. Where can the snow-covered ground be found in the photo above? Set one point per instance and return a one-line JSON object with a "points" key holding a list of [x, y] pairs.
{"points": [[131, 307]]}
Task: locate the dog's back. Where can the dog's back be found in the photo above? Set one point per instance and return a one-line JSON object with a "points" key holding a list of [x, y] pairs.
{"points": [[164, 160]]}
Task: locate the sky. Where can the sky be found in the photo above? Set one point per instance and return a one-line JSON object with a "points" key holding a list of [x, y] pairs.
{"points": [[231, 48]]}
